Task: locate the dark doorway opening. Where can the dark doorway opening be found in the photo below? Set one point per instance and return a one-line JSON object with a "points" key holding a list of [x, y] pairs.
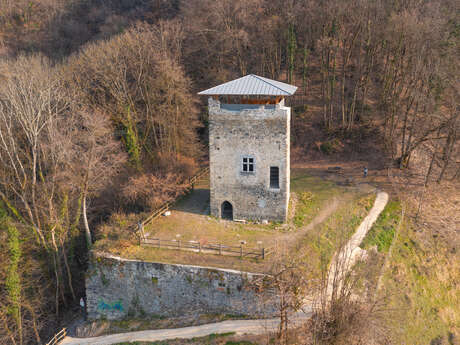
{"points": [[227, 210]]}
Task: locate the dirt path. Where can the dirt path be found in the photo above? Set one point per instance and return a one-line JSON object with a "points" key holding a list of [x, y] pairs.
{"points": [[240, 327], [320, 217], [351, 252]]}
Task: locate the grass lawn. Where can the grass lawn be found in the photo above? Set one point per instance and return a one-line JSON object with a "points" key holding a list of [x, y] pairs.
{"points": [[190, 221], [312, 193]]}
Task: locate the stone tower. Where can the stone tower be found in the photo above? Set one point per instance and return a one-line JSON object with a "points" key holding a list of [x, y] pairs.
{"points": [[249, 133]]}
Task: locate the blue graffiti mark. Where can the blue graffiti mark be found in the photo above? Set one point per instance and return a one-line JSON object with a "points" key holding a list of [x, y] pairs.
{"points": [[117, 306], [102, 305], [110, 306]]}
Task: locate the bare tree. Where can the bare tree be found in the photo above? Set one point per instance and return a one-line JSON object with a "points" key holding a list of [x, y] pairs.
{"points": [[51, 160], [285, 287], [98, 157]]}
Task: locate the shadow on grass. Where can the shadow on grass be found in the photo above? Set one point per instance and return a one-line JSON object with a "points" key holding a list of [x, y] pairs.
{"points": [[196, 202]]}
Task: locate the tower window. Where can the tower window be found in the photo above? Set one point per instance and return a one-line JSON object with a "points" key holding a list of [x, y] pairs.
{"points": [[274, 177], [248, 164]]}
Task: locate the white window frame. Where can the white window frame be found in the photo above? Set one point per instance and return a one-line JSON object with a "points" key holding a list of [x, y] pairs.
{"points": [[248, 160]]}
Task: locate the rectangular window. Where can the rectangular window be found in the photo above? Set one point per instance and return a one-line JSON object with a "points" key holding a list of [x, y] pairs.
{"points": [[274, 177], [248, 164]]}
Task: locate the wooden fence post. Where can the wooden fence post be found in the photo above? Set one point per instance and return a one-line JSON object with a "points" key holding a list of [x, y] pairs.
{"points": [[140, 229], [263, 253], [178, 244], [241, 250], [220, 249], [159, 243], [199, 247]]}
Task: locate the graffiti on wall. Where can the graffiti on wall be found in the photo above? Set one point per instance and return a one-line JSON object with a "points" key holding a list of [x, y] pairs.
{"points": [[117, 305]]}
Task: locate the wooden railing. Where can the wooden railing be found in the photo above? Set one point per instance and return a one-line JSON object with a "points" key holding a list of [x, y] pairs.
{"points": [[192, 180], [219, 249], [58, 337], [165, 207]]}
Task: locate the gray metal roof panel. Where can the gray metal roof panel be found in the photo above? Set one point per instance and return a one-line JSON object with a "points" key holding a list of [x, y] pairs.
{"points": [[252, 85]]}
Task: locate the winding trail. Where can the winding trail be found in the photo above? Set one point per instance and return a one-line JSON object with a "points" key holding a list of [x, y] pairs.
{"points": [[239, 327], [349, 254], [343, 261]]}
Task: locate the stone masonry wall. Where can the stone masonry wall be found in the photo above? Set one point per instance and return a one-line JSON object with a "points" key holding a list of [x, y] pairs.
{"points": [[117, 288], [260, 133]]}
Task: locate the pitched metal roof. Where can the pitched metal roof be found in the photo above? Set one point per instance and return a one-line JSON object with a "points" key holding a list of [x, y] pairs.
{"points": [[252, 85]]}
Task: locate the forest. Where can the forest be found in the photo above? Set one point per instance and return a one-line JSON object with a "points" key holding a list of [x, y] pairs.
{"points": [[99, 114]]}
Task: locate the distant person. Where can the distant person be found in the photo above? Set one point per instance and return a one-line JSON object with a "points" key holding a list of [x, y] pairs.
{"points": [[365, 171], [82, 305]]}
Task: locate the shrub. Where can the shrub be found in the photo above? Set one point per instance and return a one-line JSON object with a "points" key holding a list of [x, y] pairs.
{"points": [[148, 191], [331, 146]]}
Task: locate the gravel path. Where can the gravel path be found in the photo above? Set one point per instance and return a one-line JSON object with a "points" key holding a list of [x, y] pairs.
{"points": [[349, 254], [238, 326]]}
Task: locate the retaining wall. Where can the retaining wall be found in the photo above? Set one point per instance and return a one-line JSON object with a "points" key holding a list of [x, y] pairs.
{"points": [[117, 288]]}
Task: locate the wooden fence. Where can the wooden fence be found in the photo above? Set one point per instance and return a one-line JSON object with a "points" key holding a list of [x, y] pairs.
{"points": [[58, 337], [220, 249]]}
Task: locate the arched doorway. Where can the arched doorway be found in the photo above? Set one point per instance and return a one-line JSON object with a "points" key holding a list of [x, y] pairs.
{"points": [[227, 210]]}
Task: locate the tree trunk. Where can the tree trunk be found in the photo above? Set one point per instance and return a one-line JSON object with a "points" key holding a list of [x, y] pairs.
{"points": [[85, 222], [448, 146], [69, 273], [305, 70]]}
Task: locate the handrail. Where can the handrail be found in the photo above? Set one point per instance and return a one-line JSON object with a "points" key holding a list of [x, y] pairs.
{"points": [[58, 337]]}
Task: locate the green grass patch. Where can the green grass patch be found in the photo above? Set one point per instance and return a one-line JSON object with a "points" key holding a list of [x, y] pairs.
{"points": [[383, 231], [320, 244], [213, 336], [312, 194]]}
